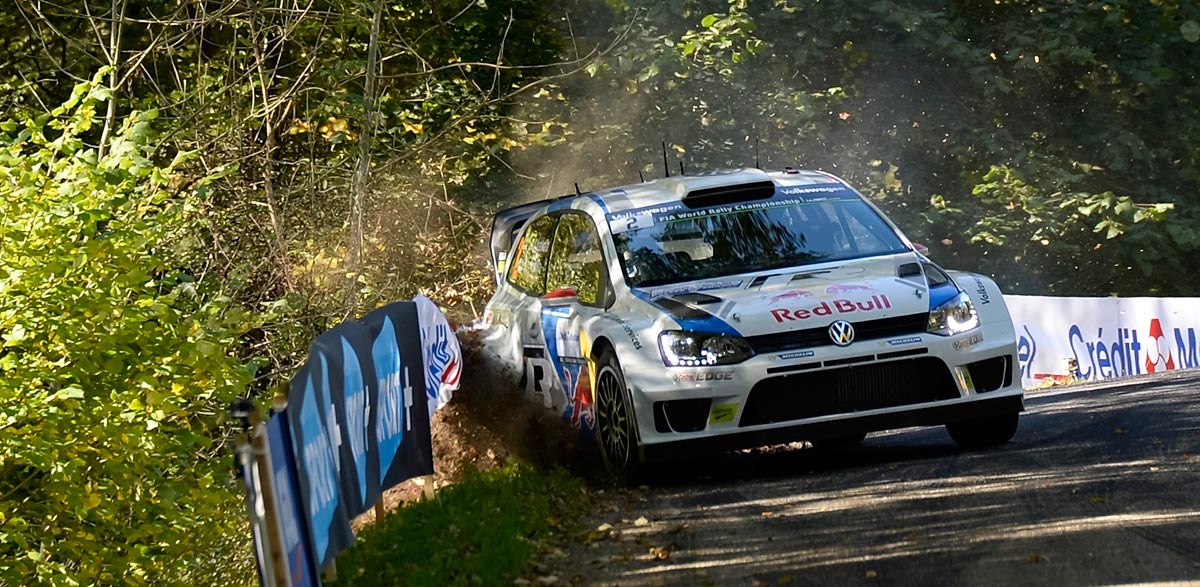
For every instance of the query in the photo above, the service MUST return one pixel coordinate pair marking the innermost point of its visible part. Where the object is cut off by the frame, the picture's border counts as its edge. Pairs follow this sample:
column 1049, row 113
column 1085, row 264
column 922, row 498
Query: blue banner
column 293, row 529
column 359, row 422
column 354, row 399
column 314, row 441
column 401, row 423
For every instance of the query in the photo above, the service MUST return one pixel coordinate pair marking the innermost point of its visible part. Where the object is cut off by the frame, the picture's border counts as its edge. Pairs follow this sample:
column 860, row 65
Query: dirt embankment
column 488, row 423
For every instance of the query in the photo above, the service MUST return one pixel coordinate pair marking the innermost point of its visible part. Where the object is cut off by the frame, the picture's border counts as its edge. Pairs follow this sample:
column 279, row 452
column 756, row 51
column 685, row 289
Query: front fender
column 989, row 303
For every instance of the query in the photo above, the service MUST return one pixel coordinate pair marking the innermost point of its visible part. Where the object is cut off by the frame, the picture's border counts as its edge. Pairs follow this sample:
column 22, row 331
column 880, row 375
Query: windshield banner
column 649, row 216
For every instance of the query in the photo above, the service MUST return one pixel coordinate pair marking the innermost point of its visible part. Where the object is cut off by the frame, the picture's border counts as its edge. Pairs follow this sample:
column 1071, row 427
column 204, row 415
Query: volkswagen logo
column 841, row 332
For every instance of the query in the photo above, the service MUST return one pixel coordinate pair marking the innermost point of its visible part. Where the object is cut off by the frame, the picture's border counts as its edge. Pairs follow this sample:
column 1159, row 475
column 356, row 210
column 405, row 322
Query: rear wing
column 505, row 226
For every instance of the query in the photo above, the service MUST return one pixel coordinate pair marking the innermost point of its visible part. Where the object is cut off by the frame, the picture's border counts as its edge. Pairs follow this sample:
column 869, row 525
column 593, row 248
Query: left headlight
column 681, row 348
column 955, row 316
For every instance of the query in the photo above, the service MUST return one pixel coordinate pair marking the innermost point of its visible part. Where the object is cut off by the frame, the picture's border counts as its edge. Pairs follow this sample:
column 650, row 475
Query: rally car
column 743, row 308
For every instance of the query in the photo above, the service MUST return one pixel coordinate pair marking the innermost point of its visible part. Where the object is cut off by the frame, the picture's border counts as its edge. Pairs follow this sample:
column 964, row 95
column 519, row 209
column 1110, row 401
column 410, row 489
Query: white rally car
column 743, row 308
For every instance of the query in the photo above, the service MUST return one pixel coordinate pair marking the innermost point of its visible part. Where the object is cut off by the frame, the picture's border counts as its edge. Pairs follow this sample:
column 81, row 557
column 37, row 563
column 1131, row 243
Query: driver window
column 529, row 265
column 575, row 259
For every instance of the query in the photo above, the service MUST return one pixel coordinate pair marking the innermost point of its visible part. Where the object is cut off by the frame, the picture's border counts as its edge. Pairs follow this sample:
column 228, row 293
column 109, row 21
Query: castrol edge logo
column 835, row 307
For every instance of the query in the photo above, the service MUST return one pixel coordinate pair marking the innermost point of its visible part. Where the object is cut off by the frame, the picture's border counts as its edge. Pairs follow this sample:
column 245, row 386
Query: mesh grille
column 848, row 390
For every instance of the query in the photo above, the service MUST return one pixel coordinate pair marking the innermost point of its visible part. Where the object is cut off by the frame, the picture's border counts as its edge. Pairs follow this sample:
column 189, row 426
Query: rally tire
column 984, row 432
column 616, row 427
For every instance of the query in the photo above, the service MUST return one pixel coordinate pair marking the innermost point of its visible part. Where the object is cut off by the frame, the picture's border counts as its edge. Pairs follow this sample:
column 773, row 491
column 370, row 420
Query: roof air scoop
column 729, row 194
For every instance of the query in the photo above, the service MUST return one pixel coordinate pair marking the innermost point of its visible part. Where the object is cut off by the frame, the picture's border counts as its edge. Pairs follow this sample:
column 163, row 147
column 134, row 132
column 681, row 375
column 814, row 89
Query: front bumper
column 915, row 380
column 914, row 416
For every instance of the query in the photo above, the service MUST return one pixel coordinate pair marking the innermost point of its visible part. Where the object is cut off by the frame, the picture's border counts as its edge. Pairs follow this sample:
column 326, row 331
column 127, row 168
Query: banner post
column 254, row 458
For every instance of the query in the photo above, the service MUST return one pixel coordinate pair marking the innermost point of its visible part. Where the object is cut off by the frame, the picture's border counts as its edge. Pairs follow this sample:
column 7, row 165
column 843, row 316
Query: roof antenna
column 577, row 192
column 640, row 177
column 666, row 168
column 756, row 163
column 681, row 167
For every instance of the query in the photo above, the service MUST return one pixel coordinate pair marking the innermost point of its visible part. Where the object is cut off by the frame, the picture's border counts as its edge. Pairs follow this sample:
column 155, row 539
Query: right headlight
column 955, row 316
column 682, row 348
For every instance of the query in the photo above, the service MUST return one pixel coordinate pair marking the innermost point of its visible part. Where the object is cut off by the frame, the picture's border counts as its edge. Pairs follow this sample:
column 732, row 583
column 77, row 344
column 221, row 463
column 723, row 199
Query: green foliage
column 116, row 365
column 482, row 531
column 1051, row 145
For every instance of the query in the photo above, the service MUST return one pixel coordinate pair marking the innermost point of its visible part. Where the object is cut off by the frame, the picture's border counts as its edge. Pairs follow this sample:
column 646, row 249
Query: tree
column 117, row 364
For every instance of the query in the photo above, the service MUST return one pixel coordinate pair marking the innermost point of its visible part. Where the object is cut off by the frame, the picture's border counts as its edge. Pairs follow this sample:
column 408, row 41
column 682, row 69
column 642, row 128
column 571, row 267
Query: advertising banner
column 401, row 419
column 1104, row 337
column 442, row 355
column 358, row 423
column 301, row 571
column 353, row 404
column 314, row 433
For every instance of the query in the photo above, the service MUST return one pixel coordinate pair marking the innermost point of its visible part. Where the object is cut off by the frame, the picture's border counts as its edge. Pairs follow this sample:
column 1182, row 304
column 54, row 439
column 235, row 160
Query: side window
column 575, row 260
column 528, row 270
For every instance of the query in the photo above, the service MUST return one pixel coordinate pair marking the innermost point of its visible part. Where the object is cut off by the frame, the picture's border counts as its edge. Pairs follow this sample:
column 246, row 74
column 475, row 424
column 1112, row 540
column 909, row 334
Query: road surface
column 1100, row 486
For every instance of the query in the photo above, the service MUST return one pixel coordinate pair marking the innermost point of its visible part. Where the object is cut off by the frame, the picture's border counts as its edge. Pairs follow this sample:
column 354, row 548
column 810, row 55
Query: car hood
column 799, row 299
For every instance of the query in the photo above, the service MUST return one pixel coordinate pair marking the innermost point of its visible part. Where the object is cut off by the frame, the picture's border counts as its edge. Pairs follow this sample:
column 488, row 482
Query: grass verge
column 482, row 531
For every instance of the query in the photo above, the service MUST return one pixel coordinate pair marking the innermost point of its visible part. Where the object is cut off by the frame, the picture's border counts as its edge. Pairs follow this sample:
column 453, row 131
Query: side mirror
column 920, row 248
column 563, row 296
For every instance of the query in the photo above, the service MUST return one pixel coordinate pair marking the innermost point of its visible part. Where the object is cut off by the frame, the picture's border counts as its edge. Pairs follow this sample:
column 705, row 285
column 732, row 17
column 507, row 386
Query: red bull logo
column 845, row 288
column 1155, row 360
column 879, row 302
column 795, row 294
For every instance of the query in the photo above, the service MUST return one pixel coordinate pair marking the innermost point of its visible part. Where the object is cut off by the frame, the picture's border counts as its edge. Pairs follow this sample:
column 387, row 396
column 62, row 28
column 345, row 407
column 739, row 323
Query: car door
column 577, row 291
column 527, row 280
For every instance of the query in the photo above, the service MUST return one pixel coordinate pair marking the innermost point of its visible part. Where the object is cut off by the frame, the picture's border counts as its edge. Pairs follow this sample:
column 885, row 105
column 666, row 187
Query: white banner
column 443, row 356
column 1106, row 337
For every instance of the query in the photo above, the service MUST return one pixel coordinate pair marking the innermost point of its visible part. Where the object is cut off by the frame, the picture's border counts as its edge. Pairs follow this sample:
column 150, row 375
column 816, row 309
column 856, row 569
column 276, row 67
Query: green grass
column 483, row 531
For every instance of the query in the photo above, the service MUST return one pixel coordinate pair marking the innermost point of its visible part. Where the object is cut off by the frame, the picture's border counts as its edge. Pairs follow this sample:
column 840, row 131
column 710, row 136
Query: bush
column 115, row 368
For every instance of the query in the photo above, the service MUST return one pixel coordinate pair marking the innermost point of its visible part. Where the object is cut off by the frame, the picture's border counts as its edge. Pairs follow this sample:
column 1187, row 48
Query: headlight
column 681, row 348
column 955, row 316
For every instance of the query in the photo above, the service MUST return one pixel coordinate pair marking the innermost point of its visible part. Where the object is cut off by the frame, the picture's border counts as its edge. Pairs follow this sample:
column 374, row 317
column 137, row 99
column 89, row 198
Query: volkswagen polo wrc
column 743, row 308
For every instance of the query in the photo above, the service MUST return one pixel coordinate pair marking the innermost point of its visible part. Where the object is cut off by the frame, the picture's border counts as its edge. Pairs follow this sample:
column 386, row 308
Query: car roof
column 675, row 188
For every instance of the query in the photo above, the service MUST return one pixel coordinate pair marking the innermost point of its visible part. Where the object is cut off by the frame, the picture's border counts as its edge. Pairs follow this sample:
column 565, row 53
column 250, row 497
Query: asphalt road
column 1100, row 486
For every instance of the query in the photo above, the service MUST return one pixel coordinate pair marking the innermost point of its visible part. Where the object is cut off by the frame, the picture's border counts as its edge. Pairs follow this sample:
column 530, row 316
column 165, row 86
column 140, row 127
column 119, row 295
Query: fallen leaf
column 660, row 553
column 1097, row 499
column 1037, row 558
column 604, row 527
column 642, row 521
column 1119, row 431
column 872, row 575
column 768, row 514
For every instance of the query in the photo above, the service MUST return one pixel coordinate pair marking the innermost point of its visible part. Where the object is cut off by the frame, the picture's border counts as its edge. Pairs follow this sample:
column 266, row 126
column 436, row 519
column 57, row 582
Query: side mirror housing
column 563, row 296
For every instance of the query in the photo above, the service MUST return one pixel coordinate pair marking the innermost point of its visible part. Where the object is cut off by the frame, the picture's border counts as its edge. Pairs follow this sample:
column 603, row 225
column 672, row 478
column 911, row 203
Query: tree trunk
column 361, row 174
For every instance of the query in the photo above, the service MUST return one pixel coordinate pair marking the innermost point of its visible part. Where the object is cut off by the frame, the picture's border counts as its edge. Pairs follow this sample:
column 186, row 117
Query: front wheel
column 984, row 432
column 616, row 429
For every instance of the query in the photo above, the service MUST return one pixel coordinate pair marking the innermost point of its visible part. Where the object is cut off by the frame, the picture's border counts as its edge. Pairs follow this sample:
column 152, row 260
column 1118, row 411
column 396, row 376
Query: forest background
column 191, row 190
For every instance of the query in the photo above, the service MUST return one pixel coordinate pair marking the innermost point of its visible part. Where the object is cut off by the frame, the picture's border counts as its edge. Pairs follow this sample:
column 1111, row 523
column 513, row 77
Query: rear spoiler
column 505, row 226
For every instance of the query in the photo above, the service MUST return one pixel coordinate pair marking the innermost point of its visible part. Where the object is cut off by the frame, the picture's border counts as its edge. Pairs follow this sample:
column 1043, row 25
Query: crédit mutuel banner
column 1106, row 337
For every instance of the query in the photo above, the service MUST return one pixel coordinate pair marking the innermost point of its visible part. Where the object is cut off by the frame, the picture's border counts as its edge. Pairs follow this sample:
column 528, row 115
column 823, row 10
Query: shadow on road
column 1100, row 486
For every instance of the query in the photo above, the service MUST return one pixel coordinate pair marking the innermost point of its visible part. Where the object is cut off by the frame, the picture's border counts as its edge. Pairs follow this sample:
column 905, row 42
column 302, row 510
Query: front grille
column 991, row 374
column 814, row 337
column 848, row 390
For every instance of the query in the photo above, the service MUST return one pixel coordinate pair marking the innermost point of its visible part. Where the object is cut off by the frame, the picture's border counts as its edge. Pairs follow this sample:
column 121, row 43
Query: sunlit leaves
column 115, row 367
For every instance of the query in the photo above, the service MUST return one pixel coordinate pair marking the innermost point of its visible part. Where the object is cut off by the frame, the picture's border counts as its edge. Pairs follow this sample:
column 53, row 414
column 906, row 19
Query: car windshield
column 674, row 244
